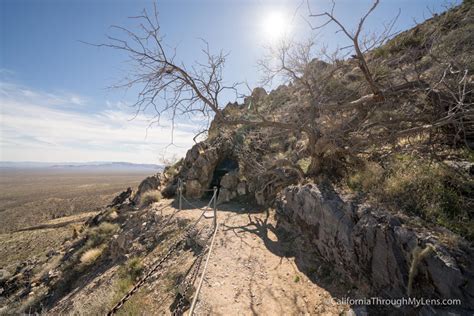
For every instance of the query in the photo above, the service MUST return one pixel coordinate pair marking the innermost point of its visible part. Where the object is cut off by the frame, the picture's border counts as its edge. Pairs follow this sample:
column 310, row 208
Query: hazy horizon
column 65, row 163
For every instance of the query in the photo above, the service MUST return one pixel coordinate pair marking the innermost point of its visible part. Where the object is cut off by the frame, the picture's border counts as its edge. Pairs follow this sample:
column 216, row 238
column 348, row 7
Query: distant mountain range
column 95, row 165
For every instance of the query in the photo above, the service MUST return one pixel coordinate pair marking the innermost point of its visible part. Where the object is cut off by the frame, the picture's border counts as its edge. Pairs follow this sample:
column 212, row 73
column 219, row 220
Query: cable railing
column 212, row 201
column 158, row 263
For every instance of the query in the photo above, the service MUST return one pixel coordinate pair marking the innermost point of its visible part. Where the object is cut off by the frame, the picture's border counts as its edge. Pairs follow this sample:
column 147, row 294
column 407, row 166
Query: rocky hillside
column 373, row 188
column 384, row 192
column 417, row 139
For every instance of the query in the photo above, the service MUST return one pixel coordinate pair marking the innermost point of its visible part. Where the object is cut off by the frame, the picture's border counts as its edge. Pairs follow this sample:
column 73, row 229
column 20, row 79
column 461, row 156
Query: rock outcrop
column 228, row 190
column 374, row 249
column 200, row 163
column 121, row 198
column 150, row 183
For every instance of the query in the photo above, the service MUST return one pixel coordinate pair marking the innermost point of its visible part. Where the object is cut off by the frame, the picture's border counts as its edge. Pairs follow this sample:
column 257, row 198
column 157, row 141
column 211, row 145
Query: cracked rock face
column 374, row 249
column 199, row 165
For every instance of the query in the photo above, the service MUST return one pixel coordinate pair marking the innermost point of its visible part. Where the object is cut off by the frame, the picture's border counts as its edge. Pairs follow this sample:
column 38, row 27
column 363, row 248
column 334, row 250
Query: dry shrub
column 91, row 255
column 150, row 197
column 304, row 164
column 173, row 169
column 420, row 187
column 366, row 179
column 112, row 215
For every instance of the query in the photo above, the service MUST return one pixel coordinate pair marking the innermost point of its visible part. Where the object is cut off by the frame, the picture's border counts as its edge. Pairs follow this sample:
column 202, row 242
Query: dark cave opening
column 225, row 166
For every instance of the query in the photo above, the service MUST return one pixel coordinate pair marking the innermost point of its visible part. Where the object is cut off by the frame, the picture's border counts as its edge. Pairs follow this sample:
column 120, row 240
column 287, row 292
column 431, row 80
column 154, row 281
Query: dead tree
column 354, row 37
column 168, row 86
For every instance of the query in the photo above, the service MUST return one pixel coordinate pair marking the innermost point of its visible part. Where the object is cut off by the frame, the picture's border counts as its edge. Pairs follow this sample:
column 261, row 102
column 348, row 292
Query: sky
column 56, row 100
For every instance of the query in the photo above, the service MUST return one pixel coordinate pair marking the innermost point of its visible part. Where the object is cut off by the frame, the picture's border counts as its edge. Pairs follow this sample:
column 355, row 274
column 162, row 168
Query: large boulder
column 241, row 188
column 194, row 189
column 150, row 183
column 199, row 165
column 373, row 249
column 225, row 195
column 230, row 180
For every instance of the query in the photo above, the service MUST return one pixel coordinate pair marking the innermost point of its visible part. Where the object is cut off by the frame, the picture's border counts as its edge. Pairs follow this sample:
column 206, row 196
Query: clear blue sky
column 55, row 105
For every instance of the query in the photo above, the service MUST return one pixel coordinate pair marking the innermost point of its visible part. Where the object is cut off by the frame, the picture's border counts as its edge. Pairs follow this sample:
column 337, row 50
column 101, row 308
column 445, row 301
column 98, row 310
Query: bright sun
column 275, row 26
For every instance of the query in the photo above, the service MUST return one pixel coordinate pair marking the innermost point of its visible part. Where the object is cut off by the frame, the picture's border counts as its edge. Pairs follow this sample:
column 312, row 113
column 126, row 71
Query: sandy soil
column 250, row 272
column 247, row 274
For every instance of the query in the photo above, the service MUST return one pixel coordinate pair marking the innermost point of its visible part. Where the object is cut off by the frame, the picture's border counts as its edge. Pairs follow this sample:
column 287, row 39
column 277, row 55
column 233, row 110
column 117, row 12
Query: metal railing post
column 180, row 190
column 215, row 208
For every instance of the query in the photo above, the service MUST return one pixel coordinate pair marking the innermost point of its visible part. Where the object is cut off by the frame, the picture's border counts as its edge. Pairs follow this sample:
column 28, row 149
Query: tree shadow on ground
column 239, row 206
column 287, row 244
column 282, row 243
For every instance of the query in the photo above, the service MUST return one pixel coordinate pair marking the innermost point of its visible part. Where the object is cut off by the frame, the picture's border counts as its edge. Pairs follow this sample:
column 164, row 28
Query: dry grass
column 112, row 215
column 150, row 197
column 368, row 178
column 419, row 187
column 91, row 255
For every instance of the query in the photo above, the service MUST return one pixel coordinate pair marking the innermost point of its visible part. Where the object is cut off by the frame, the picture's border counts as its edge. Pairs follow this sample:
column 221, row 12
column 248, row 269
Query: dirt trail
column 248, row 273
column 251, row 272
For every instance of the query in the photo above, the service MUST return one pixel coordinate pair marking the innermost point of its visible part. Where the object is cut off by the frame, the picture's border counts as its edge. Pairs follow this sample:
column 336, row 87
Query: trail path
column 248, row 273
column 251, row 271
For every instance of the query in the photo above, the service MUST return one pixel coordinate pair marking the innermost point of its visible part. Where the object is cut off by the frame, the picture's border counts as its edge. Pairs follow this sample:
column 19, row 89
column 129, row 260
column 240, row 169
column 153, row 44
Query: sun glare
column 275, row 26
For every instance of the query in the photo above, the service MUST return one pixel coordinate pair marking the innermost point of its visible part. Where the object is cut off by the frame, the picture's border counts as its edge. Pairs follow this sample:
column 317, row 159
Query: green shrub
column 98, row 235
column 132, row 269
column 128, row 274
column 150, row 197
column 173, row 169
column 418, row 187
column 382, row 52
column 468, row 154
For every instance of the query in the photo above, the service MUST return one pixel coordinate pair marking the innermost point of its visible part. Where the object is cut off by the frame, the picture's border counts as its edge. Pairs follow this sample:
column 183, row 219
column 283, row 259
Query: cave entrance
column 225, row 166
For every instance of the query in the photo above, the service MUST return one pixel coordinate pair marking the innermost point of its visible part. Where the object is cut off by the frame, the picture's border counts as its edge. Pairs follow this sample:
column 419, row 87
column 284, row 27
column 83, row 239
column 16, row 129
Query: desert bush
column 381, row 52
column 408, row 40
column 132, row 269
column 128, row 274
column 91, row 255
column 468, row 154
column 419, row 187
column 150, row 197
column 98, row 235
column 173, row 279
column 112, row 215
column 136, row 305
column 172, row 170
column 367, row 178
column 304, row 164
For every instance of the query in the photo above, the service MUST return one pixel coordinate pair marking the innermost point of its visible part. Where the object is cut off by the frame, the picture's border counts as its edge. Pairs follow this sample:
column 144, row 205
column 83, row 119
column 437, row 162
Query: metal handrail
column 212, row 201
column 196, row 295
